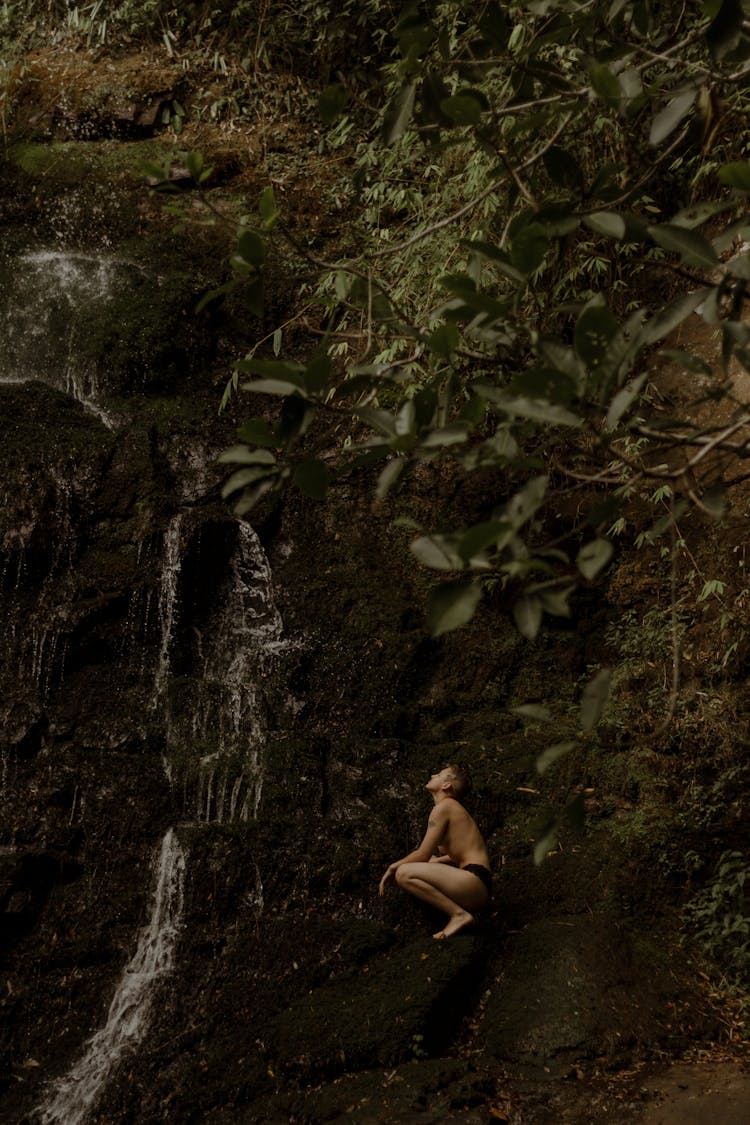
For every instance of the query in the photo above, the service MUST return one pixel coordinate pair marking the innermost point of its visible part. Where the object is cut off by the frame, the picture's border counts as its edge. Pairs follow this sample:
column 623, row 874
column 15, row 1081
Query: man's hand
column 389, row 876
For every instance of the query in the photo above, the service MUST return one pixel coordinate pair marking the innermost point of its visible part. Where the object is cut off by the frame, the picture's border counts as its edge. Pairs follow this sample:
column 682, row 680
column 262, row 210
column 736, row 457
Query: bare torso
column 460, row 838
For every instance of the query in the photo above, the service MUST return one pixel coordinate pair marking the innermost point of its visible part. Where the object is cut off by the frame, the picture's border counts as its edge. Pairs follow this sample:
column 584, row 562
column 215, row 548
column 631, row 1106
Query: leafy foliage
column 472, row 353
column 719, row 917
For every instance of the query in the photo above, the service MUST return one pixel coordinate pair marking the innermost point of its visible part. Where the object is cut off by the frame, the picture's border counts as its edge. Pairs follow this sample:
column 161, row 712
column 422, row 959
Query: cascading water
column 126, row 627
column 223, row 723
column 47, row 319
column 171, row 561
column 127, row 1022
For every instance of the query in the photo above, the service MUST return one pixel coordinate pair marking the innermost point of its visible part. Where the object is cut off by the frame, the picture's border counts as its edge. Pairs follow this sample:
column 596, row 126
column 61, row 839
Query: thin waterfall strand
column 76, row 1093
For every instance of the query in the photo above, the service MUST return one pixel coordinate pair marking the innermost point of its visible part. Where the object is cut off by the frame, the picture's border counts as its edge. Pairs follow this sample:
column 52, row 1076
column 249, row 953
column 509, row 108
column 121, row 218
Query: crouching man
column 450, row 868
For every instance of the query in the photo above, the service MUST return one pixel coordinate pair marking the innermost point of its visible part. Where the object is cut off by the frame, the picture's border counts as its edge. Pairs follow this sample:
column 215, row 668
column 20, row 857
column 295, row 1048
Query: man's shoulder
column 451, row 809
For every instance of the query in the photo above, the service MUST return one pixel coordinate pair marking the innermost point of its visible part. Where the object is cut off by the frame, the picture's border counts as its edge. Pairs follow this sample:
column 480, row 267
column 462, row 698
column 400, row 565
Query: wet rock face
column 272, row 697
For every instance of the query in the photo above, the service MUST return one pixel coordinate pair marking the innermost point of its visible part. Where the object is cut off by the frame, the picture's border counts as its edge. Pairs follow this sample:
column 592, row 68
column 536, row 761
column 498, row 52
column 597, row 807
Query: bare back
column 460, row 838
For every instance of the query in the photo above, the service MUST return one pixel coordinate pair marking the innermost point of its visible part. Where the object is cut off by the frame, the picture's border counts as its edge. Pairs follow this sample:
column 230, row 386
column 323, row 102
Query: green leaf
column 698, row 213
column 251, row 496
column 555, row 601
column 194, row 163
column 725, row 29
column 257, row 432
column 668, row 318
column 272, row 369
column 482, row 536
column 594, row 557
column 562, row 359
column 594, row 698
column 267, row 207
column 250, row 246
column 495, row 255
column 381, row 420
column 214, row 294
column 254, row 297
column 687, row 360
column 667, row 120
column 714, row 501
column 273, row 387
column 621, row 351
column 530, row 243
column 296, row 416
column 527, row 612
column 525, row 503
column 405, row 418
column 692, row 248
column 454, row 434
column 535, row 409
column 398, row 113
column 152, row 170
column 425, row 403
column 739, row 266
column 593, row 331
column 452, row 605
column 318, row 373
column 537, row 712
column 243, row 477
column 736, row 175
column 604, row 82
column 552, row 754
column 462, row 109
column 389, row 476
column 332, row 102
column 432, row 94
column 544, row 846
column 241, row 455
column 311, row 477
column 624, row 399
column 608, row 223
column 444, row 339
column 437, row 552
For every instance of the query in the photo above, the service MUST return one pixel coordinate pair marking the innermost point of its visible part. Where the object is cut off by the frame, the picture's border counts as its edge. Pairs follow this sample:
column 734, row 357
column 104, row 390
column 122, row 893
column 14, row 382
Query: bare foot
column 457, row 923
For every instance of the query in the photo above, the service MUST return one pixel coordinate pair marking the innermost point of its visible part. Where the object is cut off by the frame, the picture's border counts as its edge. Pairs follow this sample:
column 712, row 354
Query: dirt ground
column 699, row 1094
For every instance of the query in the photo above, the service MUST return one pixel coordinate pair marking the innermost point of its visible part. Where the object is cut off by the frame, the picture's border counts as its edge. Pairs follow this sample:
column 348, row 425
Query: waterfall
column 47, row 318
column 168, row 601
column 234, row 650
column 76, row 1093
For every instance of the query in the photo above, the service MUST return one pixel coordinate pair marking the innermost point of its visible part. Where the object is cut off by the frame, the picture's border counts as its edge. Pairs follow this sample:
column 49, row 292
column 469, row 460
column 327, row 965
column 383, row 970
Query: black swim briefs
column 482, row 873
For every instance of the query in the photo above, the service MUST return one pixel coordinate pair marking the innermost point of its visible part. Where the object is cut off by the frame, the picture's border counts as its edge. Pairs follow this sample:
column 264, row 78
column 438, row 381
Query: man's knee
column 403, row 874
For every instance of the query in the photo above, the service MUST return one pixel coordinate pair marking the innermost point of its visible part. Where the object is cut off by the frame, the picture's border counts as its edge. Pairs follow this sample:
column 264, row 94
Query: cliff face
column 215, row 737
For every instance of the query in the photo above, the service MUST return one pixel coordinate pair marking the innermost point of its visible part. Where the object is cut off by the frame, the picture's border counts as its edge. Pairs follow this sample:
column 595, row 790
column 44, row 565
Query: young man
column 450, row 868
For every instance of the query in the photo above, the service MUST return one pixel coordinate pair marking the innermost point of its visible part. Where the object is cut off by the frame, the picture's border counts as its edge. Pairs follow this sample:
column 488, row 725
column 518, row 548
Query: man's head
column 453, row 780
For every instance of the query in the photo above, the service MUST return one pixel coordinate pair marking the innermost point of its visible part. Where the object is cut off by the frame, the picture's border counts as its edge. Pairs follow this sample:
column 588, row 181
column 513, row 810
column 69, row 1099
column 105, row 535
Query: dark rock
column 404, row 1005
column 575, row 989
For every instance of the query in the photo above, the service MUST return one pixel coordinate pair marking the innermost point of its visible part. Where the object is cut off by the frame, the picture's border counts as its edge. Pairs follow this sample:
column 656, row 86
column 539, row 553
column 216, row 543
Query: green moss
column 73, row 162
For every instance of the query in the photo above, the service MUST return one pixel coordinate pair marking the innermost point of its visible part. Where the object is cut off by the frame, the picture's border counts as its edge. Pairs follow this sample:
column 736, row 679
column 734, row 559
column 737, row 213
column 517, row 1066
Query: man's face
column 439, row 779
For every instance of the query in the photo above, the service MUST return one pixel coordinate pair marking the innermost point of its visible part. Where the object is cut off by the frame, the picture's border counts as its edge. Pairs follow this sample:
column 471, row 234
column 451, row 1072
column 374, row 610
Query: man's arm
column 436, row 827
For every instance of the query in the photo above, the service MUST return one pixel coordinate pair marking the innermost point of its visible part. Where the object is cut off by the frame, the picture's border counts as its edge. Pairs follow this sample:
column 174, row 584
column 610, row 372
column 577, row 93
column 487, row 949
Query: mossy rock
column 404, row 1005
column 578, row 988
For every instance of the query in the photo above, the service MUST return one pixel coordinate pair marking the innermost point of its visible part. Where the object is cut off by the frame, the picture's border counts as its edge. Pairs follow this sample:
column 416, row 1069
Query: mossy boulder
column 576, row 988
column 401, row 1006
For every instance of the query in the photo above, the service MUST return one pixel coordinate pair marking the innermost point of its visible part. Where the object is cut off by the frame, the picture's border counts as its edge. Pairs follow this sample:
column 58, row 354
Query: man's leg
column 457, row 893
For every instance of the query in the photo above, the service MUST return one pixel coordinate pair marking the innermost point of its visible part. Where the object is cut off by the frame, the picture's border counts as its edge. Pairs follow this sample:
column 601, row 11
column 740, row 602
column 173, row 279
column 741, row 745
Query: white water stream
column 45, row 319
column 71, row 1099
